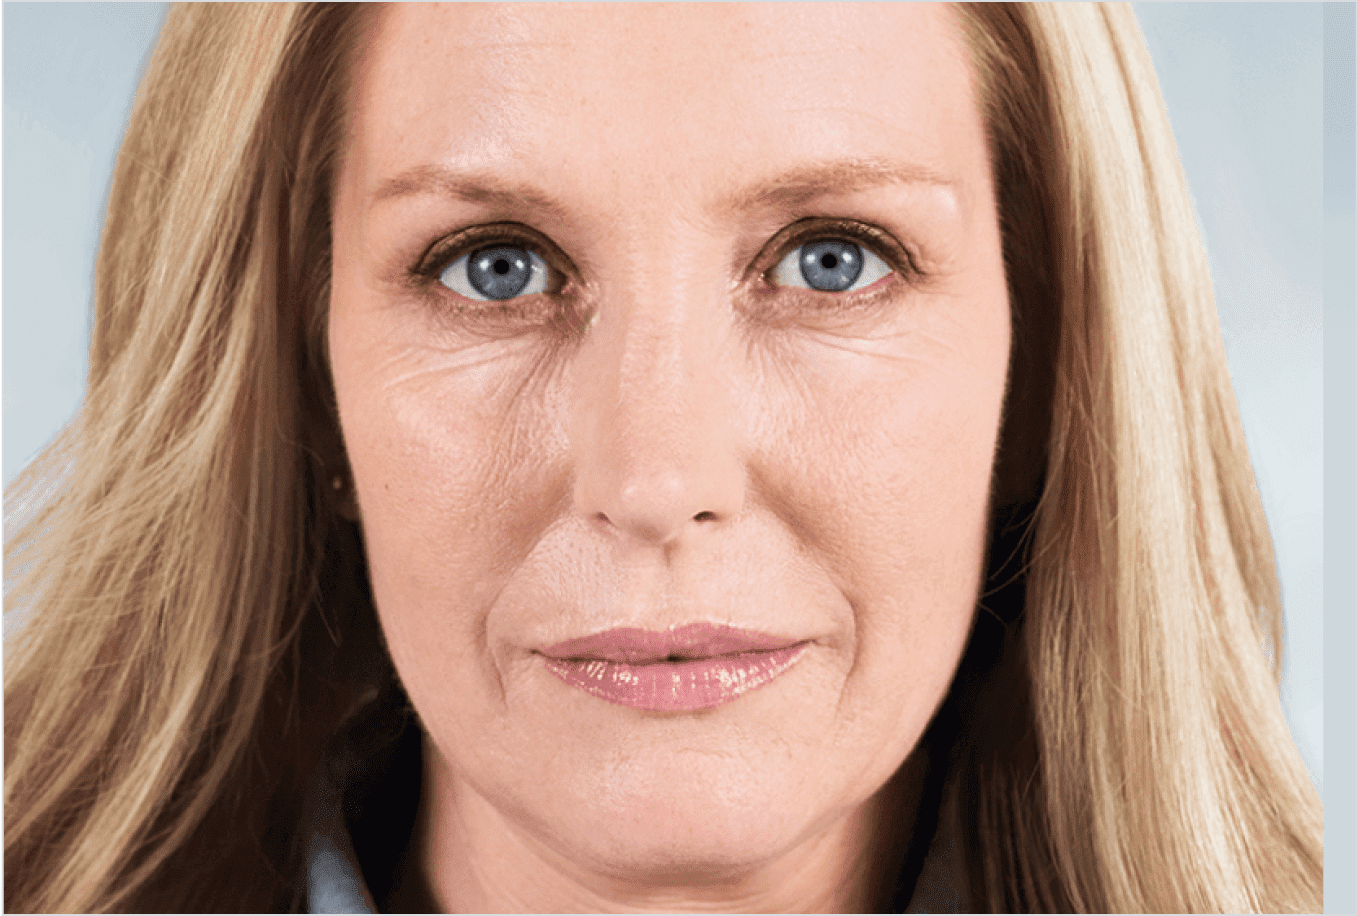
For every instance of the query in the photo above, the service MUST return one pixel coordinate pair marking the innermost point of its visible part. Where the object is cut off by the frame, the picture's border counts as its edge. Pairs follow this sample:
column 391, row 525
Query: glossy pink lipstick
column 680, row 670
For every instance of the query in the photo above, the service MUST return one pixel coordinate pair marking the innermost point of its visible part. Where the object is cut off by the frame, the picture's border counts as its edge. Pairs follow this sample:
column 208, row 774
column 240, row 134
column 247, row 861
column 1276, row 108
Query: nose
column 653, row 436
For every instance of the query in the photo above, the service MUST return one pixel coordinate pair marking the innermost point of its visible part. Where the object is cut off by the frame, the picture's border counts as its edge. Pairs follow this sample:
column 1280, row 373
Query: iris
column 500, row 272
column 831, row 265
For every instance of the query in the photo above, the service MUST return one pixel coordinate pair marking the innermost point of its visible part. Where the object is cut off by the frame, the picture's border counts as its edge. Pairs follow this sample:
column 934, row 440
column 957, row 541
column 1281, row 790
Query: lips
column 688, row 668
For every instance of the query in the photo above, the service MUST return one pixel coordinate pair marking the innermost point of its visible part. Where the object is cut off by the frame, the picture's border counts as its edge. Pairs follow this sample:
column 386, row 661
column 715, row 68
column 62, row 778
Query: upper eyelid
column 791, row 237
column 444, row 251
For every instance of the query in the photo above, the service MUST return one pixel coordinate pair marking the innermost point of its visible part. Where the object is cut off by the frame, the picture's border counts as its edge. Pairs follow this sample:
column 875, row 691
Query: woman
column 617, row 469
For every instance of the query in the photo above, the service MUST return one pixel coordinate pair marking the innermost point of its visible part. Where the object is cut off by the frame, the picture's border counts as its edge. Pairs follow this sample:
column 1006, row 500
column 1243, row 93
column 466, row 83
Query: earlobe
column 343, row 498
column 329, row 462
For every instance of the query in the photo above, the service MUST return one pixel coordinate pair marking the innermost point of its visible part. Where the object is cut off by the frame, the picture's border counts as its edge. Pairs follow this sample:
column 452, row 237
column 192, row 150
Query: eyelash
column 442, row 253
column 880, row 242
column 428, row 269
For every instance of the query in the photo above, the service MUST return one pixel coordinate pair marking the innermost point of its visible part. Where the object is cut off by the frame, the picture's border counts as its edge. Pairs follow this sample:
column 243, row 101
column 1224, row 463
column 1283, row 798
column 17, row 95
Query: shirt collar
column 334, row 880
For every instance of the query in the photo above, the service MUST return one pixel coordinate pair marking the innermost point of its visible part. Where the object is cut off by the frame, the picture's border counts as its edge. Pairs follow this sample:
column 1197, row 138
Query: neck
column 466, row 856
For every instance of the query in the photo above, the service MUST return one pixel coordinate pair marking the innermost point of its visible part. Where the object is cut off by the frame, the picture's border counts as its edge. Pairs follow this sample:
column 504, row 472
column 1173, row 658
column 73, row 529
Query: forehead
column 684, row 96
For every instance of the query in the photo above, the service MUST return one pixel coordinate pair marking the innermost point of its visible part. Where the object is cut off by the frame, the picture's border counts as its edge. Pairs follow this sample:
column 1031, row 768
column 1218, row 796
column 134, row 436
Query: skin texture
column 666, row 436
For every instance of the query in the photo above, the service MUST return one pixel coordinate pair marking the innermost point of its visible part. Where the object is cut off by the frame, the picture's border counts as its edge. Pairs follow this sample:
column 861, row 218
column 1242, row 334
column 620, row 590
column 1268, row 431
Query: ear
column 343, row 498
column 329, row 461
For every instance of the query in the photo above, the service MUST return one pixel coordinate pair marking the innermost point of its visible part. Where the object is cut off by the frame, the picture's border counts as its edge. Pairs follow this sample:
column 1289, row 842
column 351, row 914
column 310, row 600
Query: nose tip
column 657, row 506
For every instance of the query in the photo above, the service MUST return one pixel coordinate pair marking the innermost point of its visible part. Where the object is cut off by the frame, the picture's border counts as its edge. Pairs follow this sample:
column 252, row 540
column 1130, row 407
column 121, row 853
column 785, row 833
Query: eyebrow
column 471, row 187
column 804, row 184
column 788, row 190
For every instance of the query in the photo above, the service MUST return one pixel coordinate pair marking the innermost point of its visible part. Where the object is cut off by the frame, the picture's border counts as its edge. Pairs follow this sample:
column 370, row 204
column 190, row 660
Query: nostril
column 705, row 517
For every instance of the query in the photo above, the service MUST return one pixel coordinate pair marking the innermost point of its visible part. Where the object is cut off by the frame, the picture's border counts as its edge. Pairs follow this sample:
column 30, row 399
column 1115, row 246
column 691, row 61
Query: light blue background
column 1244, row 89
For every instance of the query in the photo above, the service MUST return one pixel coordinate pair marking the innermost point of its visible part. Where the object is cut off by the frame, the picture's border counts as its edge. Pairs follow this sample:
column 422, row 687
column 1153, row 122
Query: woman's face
column 751, row 378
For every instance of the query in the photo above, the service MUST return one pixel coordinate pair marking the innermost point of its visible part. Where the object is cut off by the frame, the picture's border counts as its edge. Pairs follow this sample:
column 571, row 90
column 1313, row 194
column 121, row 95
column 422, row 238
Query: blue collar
column 334, row 882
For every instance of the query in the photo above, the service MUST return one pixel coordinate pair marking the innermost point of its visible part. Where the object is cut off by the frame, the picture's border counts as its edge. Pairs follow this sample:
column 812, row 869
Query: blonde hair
column 188, row 583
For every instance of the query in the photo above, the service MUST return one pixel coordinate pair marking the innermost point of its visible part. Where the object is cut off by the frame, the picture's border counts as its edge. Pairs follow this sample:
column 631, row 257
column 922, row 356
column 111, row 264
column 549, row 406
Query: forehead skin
column 662, row 99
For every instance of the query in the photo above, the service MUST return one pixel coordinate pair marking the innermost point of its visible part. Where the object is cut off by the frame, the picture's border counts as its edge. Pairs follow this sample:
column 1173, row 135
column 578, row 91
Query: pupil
column 501, row 266
column 829, row 262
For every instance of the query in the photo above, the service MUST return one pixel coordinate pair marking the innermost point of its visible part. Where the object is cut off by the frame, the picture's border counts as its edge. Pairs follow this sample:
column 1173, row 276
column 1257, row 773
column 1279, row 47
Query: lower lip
column 699, row 683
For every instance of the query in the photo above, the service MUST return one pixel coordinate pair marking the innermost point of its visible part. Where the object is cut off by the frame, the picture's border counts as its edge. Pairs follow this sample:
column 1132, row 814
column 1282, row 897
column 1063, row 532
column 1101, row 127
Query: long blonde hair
column 1118, row 742
column 1166, row 778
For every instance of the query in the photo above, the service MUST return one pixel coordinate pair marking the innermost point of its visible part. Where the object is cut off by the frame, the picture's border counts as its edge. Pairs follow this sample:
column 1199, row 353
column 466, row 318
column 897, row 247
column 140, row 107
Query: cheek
column 889, row 487
column 446, row 455
column 887, row 455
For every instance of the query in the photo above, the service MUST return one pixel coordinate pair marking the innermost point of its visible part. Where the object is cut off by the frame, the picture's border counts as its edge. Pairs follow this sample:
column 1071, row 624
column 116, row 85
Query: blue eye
column 831, row 266
column 496, row 273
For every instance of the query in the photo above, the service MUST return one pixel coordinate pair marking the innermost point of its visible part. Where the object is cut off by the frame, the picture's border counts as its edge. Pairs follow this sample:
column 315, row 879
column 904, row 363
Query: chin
column 686, row 823
column 685, row 853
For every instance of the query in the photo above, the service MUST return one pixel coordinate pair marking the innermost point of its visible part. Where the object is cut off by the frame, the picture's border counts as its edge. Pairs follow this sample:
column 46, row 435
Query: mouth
column 699, row 666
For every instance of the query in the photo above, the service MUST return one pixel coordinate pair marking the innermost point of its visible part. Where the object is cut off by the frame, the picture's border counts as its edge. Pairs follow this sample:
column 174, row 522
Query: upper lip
column 695, row 640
